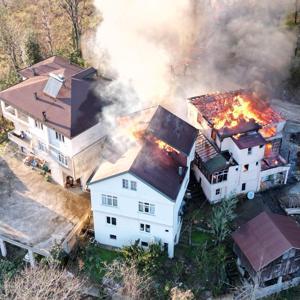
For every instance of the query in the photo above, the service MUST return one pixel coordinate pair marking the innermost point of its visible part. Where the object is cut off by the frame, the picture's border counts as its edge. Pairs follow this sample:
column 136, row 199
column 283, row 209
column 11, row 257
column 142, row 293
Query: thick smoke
column 164, row 51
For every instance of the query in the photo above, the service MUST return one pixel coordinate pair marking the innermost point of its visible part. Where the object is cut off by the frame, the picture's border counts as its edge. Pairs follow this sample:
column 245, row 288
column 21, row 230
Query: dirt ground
column 33, row 211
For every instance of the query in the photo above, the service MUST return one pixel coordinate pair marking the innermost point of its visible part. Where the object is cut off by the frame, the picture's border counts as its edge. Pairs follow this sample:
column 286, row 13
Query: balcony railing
column 20, row 139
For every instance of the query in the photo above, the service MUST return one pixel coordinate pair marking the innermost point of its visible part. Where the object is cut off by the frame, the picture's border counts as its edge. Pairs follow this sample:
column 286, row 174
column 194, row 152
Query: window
column 38, row 125
column 112, row 237
column 133, row 185
column 111, row 220
column 218, row 191
column 147, row 208
column 42, row 146
column 243, row 186
column 260, row 146
column 166, row 230
column 125, row 183
column 144, row 244
column 145, row 227
column 249, row 151
column 245, row 168
column 109, row 200
column 63, row 159
column 59, row 137
column 257, row 163
column 220, row 176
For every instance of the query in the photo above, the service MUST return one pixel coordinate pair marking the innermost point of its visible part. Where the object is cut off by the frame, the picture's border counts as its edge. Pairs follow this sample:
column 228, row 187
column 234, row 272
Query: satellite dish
column 250, row 195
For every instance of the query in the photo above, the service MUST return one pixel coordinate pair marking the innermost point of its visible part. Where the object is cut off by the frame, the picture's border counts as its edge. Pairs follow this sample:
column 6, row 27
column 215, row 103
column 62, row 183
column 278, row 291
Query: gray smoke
column 165, row 51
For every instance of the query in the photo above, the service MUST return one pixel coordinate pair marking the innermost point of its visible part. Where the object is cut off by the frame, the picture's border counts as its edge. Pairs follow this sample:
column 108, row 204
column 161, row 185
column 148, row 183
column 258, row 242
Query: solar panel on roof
column 53, row 85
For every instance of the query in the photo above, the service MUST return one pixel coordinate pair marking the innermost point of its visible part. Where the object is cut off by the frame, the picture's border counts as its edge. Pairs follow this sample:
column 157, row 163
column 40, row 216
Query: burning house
column 137, row 192
column 238, row 150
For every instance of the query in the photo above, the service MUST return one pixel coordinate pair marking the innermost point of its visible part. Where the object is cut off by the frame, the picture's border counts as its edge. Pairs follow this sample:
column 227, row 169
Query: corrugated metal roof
column 267, row 237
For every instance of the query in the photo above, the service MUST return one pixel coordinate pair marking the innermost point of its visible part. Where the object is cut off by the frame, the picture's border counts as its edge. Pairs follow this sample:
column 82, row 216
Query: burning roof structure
column 157, row 153
column 237, row 112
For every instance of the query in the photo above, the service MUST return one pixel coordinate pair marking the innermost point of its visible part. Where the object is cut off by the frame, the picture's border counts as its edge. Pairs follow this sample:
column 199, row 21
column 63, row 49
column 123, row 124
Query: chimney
column 33, row 71
column 44, row 116
column 180, row 171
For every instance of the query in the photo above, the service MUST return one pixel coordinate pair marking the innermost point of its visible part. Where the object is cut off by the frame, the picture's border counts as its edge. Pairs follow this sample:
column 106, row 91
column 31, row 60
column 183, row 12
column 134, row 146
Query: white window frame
column 125, row 184
column 145, row 227
column 109, row 200
column 38, row 125
column 42, row 146
column 59, row 137
column 146, row 208
column 133, row 185
column 62, row 159
column 109, row 220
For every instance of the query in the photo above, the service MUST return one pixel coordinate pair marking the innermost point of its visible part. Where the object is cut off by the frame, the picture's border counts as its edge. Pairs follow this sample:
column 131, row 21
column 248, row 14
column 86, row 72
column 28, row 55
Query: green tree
column 11, row 79
column 221, row 218
column 32, row 50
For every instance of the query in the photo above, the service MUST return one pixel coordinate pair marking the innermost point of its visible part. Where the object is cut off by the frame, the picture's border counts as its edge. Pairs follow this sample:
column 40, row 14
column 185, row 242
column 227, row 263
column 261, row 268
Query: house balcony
column 20, row 139
column 273, row 162
column 14, row 115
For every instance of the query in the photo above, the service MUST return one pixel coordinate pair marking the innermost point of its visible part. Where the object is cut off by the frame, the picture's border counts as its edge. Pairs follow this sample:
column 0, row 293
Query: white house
column 137, row 192
column 55, row 115
column 238, row 149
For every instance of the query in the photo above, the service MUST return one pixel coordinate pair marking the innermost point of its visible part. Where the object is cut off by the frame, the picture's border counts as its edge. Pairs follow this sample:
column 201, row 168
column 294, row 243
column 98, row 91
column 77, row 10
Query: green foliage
column 11, row 79
column 7, row 270
column 76, row 58
column 32, row 50
column 211, row 268
column 94, row 258
column 222, row 215
column 147, row 260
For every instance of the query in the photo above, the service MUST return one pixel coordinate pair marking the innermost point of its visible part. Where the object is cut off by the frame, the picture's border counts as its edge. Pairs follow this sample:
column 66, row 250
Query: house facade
column 140, row 194
column 268, row 251
column 236, row 156
column 54, row 112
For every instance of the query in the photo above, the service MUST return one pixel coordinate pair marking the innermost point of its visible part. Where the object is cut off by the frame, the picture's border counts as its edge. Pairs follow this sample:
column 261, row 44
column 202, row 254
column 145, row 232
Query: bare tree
column 296, row 11
column 124, row 279
column 42, row 283
column 47, row 28
column 8, row 43
column 75, row 10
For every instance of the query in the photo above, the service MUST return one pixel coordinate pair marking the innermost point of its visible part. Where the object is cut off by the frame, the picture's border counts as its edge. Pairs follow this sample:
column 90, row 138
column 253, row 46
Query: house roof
column 249, row 140
column 267, row 237
column 173, row 130
column 242, row 127
column 147, row 161
column 74, row 109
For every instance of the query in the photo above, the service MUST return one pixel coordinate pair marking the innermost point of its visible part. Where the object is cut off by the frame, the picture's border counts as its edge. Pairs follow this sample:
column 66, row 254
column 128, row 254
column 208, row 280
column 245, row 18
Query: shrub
column 146, row 260
column 125, row 279
column 42, row 283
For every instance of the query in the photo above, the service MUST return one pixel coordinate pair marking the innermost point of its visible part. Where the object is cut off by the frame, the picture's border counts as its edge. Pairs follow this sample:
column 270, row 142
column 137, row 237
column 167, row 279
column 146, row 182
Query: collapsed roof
column 235, row 112
column 267, row 237
column 69, row 106
column 146, row 160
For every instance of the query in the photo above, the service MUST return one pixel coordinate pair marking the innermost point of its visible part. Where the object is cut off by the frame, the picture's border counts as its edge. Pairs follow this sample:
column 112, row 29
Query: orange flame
column 164, row 146
column 236, row 110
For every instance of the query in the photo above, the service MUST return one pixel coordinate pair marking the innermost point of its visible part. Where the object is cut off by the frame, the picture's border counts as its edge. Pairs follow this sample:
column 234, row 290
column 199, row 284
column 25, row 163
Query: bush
column 42, row 283
column 125, row 279
column 7, row 270
column 146, row 260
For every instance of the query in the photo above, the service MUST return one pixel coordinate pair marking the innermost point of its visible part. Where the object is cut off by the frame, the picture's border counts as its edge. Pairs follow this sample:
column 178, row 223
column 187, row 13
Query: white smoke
column 164, row 51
